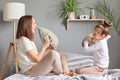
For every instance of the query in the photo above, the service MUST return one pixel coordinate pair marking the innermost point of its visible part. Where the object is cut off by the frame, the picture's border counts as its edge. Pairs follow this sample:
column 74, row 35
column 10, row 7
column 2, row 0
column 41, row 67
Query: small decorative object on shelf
column 84, row 17
column 92, row 13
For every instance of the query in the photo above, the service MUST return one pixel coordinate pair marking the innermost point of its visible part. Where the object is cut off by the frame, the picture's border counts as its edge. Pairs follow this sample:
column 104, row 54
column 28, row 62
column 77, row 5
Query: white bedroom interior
column 46, row 15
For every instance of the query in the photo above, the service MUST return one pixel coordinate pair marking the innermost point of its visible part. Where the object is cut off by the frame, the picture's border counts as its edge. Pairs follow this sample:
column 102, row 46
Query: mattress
column 74, row 60
column 113, row 74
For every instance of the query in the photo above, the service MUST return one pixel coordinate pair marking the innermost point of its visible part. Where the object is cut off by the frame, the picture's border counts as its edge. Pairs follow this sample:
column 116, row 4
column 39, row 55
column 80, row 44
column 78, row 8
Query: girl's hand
column 88, row 38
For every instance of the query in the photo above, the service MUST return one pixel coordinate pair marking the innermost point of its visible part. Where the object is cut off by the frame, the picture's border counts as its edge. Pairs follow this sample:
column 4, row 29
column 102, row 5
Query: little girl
column 99, row 50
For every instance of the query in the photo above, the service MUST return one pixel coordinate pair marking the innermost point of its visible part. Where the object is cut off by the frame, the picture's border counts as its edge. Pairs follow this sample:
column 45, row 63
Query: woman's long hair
column 25, row 27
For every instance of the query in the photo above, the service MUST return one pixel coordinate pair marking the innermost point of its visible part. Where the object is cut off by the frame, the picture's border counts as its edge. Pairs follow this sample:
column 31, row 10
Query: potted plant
column 108, row 13
column 70, row 9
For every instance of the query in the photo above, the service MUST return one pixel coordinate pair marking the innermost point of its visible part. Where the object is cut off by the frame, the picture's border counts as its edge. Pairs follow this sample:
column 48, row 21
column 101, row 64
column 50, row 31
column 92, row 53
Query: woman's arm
column 37, row 57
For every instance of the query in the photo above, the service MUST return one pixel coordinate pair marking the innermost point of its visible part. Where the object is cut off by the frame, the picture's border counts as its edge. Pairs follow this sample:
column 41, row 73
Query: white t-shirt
column 23, row 45
column 99, row 51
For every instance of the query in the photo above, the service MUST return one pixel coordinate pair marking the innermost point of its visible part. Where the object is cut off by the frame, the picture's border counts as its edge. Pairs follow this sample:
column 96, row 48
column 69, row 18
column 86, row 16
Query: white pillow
column 90, row 42
column 43, row 33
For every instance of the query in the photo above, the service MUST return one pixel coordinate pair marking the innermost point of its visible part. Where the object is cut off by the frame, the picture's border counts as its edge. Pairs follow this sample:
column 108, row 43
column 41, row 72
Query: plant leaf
column 103, row 7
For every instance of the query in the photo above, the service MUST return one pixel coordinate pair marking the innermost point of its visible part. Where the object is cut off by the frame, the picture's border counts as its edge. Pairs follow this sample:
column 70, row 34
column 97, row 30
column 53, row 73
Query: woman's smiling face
column 33, row 25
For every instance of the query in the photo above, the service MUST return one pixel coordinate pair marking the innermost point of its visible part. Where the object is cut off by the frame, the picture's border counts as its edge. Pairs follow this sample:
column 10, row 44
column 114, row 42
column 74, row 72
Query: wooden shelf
column 83, row 20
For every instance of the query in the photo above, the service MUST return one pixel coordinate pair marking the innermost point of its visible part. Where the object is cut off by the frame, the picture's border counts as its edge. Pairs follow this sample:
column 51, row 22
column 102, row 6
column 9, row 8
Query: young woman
column 99, row 50
column 31, row 61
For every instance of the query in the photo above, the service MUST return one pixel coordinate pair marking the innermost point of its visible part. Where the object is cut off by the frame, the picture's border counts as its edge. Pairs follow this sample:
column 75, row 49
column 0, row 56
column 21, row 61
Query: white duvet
column 74, row 60
column 113, row 74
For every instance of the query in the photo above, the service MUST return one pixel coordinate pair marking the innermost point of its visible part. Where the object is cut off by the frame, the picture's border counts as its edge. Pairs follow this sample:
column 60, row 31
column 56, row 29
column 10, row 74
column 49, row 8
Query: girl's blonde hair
column 25, row 27
column 103, row 28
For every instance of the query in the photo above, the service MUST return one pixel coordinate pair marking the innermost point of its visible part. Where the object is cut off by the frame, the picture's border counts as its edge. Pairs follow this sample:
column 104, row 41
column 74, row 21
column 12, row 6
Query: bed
column 74, row 61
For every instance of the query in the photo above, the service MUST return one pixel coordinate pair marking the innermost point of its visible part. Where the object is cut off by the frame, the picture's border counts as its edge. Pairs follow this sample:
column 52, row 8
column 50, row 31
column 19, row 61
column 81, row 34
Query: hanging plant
column 108, row 13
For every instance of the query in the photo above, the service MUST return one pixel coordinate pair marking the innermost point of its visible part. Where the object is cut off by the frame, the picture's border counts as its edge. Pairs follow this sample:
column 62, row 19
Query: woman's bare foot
column 77, row 70
column 66, row 72
column 70, row 72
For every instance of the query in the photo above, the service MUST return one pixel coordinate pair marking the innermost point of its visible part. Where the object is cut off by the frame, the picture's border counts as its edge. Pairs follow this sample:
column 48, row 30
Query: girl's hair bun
column 107, row 24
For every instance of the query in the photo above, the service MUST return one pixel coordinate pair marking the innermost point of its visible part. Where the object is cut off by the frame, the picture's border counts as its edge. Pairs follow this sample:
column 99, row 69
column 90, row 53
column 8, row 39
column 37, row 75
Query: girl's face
column 97, row 34
column 33, row 25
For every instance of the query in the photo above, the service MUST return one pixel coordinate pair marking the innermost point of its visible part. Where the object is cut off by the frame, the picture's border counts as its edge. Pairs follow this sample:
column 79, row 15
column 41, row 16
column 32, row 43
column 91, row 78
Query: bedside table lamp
column 12, row 12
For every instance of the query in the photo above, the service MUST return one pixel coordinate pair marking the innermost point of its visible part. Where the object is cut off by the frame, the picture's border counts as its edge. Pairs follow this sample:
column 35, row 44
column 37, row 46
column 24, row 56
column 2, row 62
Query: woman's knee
column 54, row 54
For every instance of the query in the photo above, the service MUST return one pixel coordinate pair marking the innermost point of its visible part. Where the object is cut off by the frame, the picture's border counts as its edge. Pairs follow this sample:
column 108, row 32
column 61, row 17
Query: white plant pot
column 71, row 15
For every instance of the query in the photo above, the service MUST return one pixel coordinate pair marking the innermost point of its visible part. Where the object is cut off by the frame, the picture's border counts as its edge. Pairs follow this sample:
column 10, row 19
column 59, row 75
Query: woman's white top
column 99, row 51
column 24, row 45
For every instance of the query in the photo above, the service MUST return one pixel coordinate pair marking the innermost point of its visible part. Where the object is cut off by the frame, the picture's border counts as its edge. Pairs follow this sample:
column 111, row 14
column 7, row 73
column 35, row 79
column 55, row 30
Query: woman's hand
column 36, row 58
column 46, row 42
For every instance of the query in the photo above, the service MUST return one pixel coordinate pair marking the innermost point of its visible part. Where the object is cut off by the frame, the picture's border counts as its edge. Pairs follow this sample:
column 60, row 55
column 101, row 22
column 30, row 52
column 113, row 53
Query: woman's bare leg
column 64, row 63
column 50, row 61
column 65, row 67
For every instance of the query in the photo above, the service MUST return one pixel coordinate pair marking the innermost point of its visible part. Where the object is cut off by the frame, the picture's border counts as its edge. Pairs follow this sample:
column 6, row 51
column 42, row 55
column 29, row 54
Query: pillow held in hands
column 43, row 33
column 90, row 40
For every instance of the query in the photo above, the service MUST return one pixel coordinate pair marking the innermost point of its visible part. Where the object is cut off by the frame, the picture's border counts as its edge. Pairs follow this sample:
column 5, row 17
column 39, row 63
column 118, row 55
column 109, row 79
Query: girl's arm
column 37, row 57
column 93, row 47
column 107, row 37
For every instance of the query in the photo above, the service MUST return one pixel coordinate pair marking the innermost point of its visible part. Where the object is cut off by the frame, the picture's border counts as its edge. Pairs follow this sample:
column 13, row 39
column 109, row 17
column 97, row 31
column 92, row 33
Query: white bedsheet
column 113, row 74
